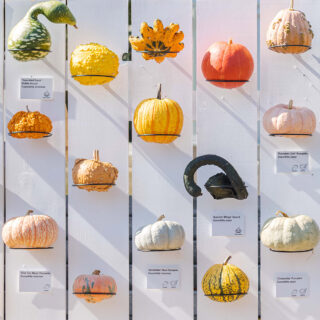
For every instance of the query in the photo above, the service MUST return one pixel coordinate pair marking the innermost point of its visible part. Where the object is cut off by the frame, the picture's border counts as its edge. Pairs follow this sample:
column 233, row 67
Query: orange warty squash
column 94, row 287
column 158, row 120
column 30, row 231
column 227, row 65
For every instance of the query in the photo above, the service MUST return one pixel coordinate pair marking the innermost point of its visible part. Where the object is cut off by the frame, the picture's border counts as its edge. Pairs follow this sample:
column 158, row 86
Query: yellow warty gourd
column 93, row 64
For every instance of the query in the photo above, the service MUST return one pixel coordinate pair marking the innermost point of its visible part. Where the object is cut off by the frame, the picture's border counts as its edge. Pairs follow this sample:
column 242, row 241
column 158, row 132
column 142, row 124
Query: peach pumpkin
column 289, row 121
column 94, row 287
column 30, row 231
column 227, row 65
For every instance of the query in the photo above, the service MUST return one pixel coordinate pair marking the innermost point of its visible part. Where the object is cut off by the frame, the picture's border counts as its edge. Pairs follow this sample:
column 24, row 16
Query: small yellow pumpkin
column 290, row 32
column 158, row 120
column 32, row 125
column 225, row 282
column 158, row 43
column 93, row 64
column 94, row 175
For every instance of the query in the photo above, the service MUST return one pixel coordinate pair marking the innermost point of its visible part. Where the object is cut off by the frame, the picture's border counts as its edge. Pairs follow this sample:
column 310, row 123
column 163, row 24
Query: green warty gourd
column 29, row 39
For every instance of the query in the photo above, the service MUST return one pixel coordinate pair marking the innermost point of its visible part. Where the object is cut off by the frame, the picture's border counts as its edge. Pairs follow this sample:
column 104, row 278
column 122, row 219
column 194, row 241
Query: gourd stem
column 29, row 212
column 291, row 4
column 278, row 213
column 230, row 41
column 227, row 260
column 27, row 107
column 161, row 217
column 159, row 92
column 290, row 104
column 96, row 272
column 96, row 155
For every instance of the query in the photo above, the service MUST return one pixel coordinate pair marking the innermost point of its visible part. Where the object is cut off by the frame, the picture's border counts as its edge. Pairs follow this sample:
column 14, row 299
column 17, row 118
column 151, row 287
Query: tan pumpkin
column 94, row 287
column 289, row 121
column 289, row 32
column 94, row 175
column 32, row 125
column 30, row 231
column 158, row 120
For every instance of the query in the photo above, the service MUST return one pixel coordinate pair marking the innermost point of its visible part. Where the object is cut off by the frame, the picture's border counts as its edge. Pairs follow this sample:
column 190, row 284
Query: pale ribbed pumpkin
column 289, row 32
column 93, row 64
column 30, row 231
column 225, row 282
column 94, row 287
column 160, row 236
column 158, row 120
column 97, row 175
column 289, row 121
column 287, row 234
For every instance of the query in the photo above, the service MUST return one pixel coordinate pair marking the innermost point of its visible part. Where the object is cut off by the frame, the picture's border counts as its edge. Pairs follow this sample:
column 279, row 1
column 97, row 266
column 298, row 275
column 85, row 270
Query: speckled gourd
column 290, row 233
column 29, row 39
column 160, row 236
column 30, row 231
column 94, row 173
column 225, row 282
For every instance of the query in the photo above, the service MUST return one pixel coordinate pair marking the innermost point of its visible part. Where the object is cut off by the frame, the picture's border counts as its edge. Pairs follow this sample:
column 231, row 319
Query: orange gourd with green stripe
column 158, row 120
column 225, row 282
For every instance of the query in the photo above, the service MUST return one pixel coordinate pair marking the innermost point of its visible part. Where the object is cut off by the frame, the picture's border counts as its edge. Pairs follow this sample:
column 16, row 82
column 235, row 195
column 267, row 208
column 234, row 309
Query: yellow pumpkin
column 290, row 32
column 225, row 282
column 158, row 43
column 94, row 175
column 32, row 125
column 158, row 120
column 93, row 64
column 30, row 231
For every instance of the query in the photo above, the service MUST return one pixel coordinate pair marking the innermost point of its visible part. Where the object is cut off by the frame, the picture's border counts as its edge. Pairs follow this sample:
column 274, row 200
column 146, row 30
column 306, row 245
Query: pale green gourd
column 29, row 39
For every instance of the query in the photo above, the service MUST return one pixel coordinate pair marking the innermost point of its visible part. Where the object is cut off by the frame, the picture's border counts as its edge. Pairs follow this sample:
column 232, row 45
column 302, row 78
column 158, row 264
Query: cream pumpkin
column 160, row 236
column 30, row 231
column 289, row 32
column 289, row 121
column 294, row 233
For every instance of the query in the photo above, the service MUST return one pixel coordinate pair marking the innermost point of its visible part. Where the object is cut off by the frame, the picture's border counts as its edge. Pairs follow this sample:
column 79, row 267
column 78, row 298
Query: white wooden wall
column 94, row 227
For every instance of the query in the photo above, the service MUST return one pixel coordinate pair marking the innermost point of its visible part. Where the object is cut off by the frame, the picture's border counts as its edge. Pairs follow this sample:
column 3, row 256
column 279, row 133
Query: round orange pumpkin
column 289, row 121
column 30, row 231
column 227, row 65
column 94, row 287
column 158, row 120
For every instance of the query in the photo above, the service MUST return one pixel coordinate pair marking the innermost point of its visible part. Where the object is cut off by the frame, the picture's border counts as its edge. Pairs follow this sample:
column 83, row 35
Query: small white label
column 228, row 225
column 292, row 285
column 34, row 281
column 292, row 161
column 36, row 88
column 163, row 277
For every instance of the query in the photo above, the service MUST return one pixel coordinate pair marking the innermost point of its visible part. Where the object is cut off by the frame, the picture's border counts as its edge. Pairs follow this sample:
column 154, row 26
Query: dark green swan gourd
column 29, row 39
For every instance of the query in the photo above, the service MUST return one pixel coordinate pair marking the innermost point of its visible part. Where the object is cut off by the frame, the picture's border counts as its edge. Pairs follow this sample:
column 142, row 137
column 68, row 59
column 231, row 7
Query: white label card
column 292, row 285
column 163, row 277
column 36, row 88
column 34, row 281
column 292, row 161
column 228, row 225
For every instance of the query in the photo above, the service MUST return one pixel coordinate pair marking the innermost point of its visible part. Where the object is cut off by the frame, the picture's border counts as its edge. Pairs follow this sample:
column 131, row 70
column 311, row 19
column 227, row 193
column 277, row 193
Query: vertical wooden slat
column 158, row 169
column 227, row 126
column 285, row 77
column 98, row 119
column 35, row 174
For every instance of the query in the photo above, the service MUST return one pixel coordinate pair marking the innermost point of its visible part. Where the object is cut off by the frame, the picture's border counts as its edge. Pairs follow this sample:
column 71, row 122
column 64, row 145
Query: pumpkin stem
column 96, row 272
column 290, row 104
column 161, row 217
column 27, row 107
column 29, row 212
column 96, row 155
column 291, row 4
column 159, row 92
column 278, row 213
column 230, row 41
column 227, row 260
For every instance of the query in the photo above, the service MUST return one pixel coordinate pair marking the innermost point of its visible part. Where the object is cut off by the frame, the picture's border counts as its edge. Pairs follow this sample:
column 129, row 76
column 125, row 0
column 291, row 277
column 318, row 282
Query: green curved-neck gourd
column 29, row 39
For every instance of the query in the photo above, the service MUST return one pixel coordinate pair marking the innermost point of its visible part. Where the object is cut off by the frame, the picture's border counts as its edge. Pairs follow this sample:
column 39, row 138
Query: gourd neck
column 159, row 92
column 281, row 213
column 96, row 272
column 96, row 155
column 290, row 104
column 291, row 5
column 29, row 212
column 35, row 11
column 227, row 260
column 161, row 217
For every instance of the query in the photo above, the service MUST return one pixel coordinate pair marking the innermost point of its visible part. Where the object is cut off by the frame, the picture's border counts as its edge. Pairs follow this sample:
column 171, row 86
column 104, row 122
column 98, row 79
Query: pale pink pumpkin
column 289, row 121
column 30, row 231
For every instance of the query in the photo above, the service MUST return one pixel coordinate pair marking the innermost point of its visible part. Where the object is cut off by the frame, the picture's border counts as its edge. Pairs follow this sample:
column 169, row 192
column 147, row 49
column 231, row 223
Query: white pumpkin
column 161, row 235
column 294, row 233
